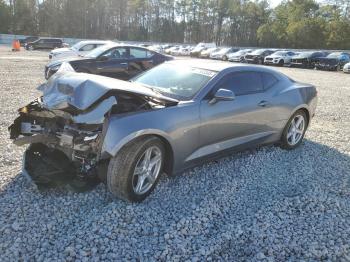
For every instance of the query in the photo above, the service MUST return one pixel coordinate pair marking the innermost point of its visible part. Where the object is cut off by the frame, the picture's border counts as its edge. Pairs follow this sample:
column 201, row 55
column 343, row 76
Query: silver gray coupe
column 165, row 120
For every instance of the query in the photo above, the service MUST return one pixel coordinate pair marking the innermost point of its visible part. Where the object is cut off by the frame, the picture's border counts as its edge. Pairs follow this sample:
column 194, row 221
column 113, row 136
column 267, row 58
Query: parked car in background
column 239, row 55
column 258, row 56
column 206, row 53
column 79, row 49
column 28, row 39
column 279, row 58
column 156, row 48
column 182, row 51
column 333, row 61
column 346, row 68
column 45, row 43
column 223, row 53
column 307, row 59
column 114, row 60
column 172, row 117
column 201, row 47
column 171, row 49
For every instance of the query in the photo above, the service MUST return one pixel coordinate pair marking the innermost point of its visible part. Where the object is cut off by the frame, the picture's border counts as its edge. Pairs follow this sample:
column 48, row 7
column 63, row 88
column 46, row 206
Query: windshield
column 334, row 55
column 181, row 83
column 241, row 52
column 258, row 52
column 305, row 54
column 281, row 53
column 98, row 51
column 77, row 46
column 224, row 50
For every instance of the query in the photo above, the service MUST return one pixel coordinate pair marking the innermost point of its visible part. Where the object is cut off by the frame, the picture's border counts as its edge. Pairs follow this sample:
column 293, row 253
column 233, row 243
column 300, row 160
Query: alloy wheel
column 147, row 170
column 296, row 130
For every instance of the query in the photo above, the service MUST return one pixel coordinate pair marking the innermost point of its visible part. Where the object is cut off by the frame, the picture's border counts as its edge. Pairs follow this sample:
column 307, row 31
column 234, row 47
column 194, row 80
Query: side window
column 87, row 47
column 117, row 53
column 243, row 83
column 268, row 80
column 140, row 53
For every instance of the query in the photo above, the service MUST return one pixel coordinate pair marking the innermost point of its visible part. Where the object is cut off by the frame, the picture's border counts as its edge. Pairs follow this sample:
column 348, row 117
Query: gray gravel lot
column 261, row 205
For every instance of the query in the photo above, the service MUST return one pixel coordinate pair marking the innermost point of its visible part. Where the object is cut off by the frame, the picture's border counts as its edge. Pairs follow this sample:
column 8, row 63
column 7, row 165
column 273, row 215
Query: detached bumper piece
column 49, row 168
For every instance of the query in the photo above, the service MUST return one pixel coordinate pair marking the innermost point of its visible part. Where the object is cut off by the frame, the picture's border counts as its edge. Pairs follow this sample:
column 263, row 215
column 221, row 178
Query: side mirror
column 103, row 58
column 222, row 95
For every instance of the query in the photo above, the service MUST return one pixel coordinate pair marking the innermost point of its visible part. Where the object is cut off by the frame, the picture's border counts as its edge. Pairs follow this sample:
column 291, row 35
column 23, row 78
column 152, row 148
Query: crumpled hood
column 82, row 90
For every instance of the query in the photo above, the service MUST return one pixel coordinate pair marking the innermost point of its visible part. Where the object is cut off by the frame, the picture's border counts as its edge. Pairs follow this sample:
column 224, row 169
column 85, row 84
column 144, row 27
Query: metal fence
column 6, row 39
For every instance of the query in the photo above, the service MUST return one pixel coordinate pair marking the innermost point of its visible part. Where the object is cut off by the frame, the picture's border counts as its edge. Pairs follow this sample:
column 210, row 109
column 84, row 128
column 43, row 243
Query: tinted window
column 117, row 53
column 268, row 80
column 243, row 83
column 140, row 53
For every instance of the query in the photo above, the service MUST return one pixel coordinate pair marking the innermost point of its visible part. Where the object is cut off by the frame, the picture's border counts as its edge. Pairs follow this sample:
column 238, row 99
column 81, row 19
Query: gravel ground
column 261, row 205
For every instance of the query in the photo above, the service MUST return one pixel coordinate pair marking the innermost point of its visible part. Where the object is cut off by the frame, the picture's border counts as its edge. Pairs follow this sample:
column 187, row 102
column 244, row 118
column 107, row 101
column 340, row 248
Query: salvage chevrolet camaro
column 165, row 120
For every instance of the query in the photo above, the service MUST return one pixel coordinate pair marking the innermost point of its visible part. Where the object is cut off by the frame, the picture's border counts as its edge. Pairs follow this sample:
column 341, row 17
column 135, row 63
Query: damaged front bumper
column 60, row 151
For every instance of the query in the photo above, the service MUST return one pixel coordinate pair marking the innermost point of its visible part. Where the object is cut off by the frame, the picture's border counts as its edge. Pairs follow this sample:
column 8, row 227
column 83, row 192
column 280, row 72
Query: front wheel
column 294, row 131
column 134, row 172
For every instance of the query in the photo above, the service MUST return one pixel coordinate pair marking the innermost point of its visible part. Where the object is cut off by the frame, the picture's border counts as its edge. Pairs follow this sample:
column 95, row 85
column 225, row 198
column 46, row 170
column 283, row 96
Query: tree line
column 292, row 24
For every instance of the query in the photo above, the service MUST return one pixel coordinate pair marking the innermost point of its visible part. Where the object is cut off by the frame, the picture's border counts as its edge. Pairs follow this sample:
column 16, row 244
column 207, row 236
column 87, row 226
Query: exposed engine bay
column 65, row 127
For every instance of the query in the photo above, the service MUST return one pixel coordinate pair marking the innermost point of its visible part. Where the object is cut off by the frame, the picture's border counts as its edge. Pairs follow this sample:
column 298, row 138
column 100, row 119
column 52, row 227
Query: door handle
column 263, row 103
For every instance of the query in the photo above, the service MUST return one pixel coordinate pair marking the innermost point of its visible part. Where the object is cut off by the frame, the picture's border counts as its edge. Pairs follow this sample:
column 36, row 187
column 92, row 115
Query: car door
column 113, row 63
column 41, row 44
column 245, row 119
column 140, row 59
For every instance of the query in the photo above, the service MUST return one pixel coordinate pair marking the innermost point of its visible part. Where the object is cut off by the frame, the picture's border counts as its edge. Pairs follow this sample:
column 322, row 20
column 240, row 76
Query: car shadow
column 226, row 203
column 310, row 159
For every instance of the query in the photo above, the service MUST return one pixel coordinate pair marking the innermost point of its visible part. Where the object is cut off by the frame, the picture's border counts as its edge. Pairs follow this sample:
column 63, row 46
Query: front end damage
column 60, row 150
column 65, row 127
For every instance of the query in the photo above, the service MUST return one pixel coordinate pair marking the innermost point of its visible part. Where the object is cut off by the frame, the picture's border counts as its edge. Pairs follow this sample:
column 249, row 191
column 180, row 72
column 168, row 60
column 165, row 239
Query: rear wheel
column 134, row 172
column 294, row 131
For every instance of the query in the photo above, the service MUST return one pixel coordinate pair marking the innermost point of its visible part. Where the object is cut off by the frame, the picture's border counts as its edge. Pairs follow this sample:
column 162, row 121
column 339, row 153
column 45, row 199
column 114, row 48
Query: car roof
column 216, row 66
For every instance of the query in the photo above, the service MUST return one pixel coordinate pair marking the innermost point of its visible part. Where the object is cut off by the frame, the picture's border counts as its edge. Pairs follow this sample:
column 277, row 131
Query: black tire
column 285, row 144
column 281, row 62
column 121, row 168
column 224, row 58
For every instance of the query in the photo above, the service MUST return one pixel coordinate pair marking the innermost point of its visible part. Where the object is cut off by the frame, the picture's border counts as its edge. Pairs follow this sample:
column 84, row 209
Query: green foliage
column 5, row 17
column 293, row 23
